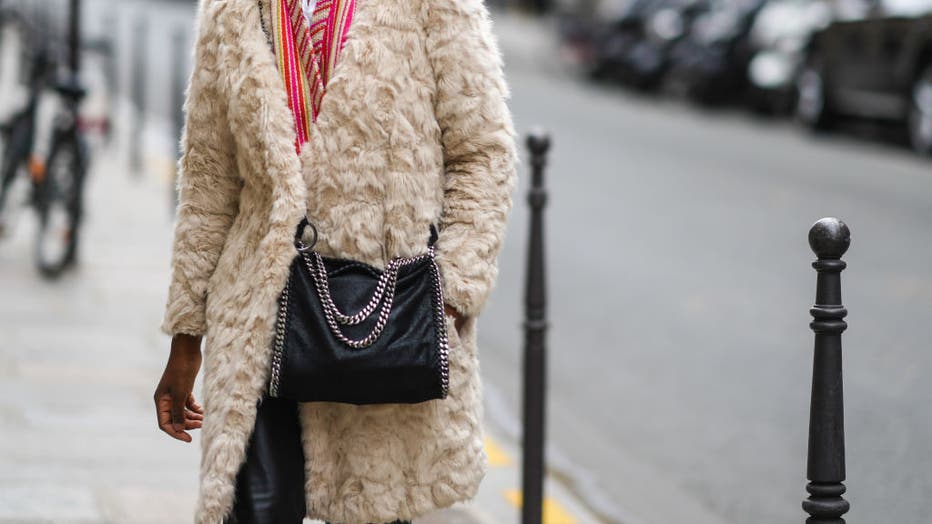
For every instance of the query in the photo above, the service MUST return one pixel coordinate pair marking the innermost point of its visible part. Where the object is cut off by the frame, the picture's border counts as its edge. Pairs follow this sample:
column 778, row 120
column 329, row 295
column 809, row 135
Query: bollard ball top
column 829, row 238
column 538, row 141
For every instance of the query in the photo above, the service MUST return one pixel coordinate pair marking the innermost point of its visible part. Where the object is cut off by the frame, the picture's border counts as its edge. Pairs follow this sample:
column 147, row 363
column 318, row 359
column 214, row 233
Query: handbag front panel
column 401, row 366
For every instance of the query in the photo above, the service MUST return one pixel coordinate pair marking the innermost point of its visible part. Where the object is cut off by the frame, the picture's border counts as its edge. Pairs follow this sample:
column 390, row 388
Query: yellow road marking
column 497, row 456
column 554, row 513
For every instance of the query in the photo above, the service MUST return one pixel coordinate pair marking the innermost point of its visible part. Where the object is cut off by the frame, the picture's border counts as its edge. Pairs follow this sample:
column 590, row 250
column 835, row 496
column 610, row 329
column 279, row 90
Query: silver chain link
column 279, row 348
column 390, row 274
column 384, row 295
column 441, row 322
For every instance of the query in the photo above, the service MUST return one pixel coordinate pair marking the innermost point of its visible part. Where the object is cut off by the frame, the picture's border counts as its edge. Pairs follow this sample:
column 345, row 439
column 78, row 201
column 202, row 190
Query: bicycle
column 17, row 135
column 57, row 183
column 60, row 190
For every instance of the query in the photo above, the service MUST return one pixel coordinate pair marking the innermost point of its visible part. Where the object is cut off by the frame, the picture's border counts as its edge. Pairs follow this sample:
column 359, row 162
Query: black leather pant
column 270, row 484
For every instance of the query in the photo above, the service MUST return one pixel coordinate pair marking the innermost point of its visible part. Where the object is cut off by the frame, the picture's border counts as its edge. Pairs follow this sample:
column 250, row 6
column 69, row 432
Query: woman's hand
column 175, row 407
column 458, row 320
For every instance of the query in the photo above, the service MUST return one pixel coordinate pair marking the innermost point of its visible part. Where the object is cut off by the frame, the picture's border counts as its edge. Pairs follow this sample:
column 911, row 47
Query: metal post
column 74, row 36
column 829, row 238
column 535, row 328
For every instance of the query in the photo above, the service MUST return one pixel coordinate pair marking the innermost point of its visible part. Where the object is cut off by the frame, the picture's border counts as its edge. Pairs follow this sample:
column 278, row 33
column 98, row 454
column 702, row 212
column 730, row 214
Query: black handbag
column 349, row 332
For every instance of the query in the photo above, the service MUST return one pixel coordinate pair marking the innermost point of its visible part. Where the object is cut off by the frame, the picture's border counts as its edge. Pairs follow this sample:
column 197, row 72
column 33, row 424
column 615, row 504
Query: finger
column 164, row 416
column 177, row 413
column 192, row 404
column 169, row 429
column 178, row 435
column 163, row 412
column 192, row 424
column 163, row 407
column 188, row 414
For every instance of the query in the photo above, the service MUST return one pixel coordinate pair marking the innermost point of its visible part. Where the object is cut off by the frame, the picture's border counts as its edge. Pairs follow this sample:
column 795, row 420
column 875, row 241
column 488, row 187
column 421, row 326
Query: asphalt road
column 680, row 282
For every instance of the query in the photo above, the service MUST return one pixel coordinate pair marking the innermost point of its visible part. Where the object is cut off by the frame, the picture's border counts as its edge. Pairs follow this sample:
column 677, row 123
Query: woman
column 412, row 129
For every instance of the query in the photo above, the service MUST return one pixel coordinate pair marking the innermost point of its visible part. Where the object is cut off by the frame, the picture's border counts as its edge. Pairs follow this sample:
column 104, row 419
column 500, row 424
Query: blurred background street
column 679, row 272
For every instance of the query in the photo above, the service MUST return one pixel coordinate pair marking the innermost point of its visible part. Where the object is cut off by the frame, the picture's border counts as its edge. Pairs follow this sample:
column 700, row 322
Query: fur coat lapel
column 413, row 130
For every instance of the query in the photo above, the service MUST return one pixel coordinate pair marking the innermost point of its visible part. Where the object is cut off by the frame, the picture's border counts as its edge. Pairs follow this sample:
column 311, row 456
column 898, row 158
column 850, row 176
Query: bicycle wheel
column 58, row 204
column 13, row 188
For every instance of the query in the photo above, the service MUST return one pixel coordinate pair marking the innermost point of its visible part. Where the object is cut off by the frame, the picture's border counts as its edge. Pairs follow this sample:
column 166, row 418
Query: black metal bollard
column 74, row 36
column 829, row 238
column 535, row 329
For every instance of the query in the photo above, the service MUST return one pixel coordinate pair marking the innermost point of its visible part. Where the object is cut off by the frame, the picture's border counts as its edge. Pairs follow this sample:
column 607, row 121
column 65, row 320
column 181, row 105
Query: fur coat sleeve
column 479, row 151
column 207, row 184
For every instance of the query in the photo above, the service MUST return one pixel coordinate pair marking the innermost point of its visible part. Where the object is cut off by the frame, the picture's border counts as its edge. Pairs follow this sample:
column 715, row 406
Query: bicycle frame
column 19, row 133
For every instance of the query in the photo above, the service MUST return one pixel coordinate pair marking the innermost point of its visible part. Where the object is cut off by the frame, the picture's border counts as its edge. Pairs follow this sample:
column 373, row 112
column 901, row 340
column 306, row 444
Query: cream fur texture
column 413, row 129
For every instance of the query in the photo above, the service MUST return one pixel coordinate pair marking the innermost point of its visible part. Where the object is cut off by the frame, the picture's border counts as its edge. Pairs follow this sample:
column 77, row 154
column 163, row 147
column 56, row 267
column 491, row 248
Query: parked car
column 778, row 40
column 623, row 40
column 661, row 24
column 879, row 67
column 711, row 62
column 595, row 33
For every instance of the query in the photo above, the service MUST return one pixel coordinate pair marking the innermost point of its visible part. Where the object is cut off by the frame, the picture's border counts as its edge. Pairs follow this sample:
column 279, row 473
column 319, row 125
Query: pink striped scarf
column 307, row 54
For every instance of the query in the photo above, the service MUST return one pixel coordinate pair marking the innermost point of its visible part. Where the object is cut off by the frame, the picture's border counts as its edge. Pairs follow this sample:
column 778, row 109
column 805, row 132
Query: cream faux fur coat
column 413, row 129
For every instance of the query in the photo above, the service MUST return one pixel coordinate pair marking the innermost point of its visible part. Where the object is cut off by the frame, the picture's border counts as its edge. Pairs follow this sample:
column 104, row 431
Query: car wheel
column 920, row 114
column 812, row 104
